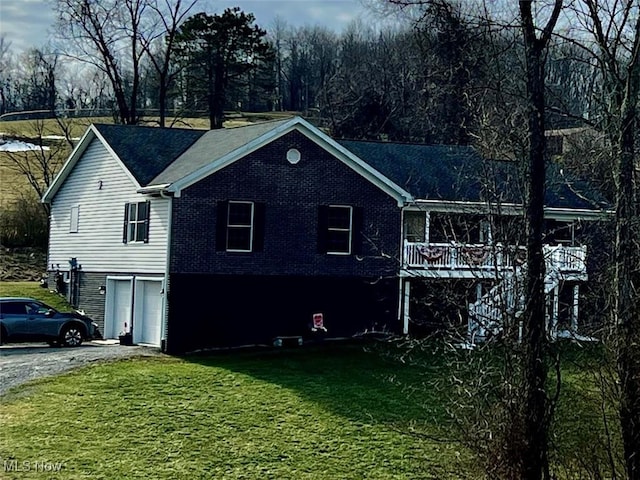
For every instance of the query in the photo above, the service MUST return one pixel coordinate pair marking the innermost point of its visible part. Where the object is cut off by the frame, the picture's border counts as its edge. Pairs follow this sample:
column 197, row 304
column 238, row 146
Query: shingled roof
column 459, row 173
column 211, row 146
column 147, row 151
column 178, row 157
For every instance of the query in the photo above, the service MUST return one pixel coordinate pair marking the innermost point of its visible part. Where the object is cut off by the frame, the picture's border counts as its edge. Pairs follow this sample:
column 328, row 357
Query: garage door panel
column 118, row 311
column 147, row 326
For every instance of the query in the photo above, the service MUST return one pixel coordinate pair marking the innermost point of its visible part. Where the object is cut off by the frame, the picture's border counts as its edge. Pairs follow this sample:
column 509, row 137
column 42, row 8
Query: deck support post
column 575, row 308
column 554, row 315
column 405, row 307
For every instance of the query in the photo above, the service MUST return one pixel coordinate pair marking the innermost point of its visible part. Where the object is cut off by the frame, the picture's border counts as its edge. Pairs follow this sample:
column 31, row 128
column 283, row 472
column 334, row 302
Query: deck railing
column 453, row 256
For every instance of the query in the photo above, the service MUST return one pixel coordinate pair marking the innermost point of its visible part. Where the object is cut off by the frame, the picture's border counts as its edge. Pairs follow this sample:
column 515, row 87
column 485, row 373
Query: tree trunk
column 627, row 283
column 210, row 92
column 162, row 101
column 216, row 106
column 534, row 461
column 123, row 108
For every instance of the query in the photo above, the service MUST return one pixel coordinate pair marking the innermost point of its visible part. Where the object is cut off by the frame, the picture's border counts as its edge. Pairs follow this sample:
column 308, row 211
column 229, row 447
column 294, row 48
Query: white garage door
column 118, row 307
column 148, row 315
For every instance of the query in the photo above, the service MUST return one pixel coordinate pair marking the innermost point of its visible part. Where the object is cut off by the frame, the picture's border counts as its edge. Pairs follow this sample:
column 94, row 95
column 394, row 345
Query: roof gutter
column 151, row 189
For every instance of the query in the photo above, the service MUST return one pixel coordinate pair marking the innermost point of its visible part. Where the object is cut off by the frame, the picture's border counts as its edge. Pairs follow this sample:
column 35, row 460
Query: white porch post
column 554, row 315
column 575, row 306
column 405, row 307
column 427, row 226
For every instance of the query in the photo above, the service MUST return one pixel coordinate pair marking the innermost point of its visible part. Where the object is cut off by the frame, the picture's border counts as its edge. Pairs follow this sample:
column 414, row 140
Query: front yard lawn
column 331, row 412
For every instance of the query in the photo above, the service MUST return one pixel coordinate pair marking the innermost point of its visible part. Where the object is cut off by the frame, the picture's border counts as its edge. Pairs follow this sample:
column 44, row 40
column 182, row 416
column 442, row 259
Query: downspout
column 165, row 289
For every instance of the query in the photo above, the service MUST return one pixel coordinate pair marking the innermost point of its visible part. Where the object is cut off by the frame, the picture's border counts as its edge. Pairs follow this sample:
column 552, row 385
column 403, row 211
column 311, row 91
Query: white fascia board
column 71, row 161
column 117, row 159
column 455, row 206
column 315, row 135
column 356, row 163
column 577, row 214
column 460, row 206
column 76, row 154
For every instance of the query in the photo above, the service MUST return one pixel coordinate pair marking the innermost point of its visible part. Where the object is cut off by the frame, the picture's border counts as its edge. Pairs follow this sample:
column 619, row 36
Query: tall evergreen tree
column 219, row 49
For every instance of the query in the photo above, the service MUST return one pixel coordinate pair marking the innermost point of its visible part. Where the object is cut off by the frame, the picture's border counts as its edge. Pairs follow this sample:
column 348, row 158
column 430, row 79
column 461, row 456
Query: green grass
column 31, row 128
column 314, row 413
column 34, row 290
column 26, row 129
column 326, row 412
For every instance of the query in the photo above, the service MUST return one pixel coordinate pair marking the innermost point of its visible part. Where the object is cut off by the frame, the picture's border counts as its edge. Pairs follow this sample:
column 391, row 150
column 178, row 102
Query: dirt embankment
column 22, row 264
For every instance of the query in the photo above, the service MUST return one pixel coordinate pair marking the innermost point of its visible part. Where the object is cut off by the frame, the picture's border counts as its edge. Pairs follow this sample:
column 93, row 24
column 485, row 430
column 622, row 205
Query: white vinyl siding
column 102, row 187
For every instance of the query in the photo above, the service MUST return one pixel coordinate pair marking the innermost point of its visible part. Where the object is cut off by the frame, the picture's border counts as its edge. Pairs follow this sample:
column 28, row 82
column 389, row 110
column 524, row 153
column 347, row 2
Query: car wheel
column 71, row 336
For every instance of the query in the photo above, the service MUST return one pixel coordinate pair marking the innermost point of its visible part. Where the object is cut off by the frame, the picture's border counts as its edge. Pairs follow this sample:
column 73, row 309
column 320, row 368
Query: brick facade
column 221, row 298
column 292, row 195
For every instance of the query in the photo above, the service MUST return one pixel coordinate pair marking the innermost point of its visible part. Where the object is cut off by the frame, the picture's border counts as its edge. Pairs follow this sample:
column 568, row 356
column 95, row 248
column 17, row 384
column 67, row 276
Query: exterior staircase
column 504, row 303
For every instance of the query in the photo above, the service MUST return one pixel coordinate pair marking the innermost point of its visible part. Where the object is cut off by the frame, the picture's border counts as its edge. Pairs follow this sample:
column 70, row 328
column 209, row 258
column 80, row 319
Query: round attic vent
column 293, row 156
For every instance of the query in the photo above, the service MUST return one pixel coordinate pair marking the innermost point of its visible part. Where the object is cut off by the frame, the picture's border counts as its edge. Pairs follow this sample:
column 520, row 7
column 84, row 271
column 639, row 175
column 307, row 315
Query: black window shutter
column 258, row 226
column 221, row 225
column 323, row 228
column 125, row 231
column 146, row 223
column 356, row 230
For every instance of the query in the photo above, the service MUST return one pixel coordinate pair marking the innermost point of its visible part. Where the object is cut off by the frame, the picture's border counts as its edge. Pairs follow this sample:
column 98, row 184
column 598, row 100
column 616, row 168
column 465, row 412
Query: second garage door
column 148, row 312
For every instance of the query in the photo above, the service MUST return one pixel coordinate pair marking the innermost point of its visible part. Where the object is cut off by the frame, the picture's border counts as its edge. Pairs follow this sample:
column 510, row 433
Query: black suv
column 28, row 320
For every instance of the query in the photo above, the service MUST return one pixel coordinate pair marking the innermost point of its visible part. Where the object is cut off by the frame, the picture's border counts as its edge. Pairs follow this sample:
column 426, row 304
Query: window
column 486, row 233
column 73, row 219
column 240, row 226
column 415, row 225
column 339, row 228
column 37, row 309
column 13, row 308
column 459, row 228
column 136, row 222
column 559, row 232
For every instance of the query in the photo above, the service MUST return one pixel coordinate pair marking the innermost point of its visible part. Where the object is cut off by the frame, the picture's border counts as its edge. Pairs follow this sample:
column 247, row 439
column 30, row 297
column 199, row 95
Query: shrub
column 24, row 224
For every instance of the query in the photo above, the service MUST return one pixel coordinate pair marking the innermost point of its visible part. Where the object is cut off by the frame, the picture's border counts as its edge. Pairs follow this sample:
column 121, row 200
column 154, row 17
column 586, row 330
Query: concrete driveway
column 20, row 363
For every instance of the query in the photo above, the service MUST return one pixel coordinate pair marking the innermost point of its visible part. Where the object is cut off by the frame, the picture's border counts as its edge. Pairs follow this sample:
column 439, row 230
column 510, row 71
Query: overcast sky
column 28, row 23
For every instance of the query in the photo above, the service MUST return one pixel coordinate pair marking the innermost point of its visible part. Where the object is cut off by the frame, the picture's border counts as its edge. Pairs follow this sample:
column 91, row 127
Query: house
column 463, row 232
column 192, row 239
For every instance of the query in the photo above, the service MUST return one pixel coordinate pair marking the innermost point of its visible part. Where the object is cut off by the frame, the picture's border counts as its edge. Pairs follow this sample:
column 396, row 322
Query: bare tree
column 40, row 165
column 107, row 35
column 616, row 32
column 606, row 36
column 535, row 455
column 159, row 45
column 37, row 85
column 529, row 408
column 5, row 66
